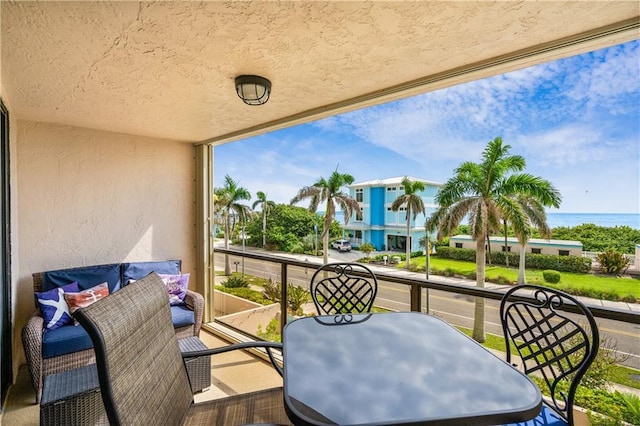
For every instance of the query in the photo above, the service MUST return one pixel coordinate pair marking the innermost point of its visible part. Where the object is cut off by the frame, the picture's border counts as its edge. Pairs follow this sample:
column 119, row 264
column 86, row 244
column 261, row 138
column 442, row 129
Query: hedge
column 532, row 261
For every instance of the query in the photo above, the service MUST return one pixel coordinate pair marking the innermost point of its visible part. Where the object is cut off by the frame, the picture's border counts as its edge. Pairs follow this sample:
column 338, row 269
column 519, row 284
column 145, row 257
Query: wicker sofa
column 68, row 347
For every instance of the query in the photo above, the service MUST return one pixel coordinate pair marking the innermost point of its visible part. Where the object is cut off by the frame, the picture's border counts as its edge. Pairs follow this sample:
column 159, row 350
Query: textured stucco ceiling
column 166, row 69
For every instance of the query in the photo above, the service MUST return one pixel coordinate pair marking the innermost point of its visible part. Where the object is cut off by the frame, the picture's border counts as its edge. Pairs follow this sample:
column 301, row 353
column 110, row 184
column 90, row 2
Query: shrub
column 296, row 298
column 532, row 261
column 612, row 262
column 297, row 248
column 456, row 254
column 272, row 333
column 633, row 407
column 235, row 281
column 504, row 281
column 367, row 248
column 271, row 291
column 551, row 276
column 415, row 268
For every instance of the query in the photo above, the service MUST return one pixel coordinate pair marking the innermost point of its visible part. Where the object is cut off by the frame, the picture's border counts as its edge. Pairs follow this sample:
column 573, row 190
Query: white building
column 534, row 245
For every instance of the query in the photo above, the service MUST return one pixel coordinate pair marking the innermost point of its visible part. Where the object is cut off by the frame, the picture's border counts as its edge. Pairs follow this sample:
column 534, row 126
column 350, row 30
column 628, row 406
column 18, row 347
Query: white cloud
column 568, row 145
column 576, row 121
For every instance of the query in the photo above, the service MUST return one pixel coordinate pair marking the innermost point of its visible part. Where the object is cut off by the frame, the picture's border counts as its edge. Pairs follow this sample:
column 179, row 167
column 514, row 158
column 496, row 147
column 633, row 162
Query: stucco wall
column 89, row 197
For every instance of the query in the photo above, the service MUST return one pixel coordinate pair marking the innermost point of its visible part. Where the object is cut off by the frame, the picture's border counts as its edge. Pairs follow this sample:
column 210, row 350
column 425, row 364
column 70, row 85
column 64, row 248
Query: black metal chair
column 342, row 288
column 550, row 344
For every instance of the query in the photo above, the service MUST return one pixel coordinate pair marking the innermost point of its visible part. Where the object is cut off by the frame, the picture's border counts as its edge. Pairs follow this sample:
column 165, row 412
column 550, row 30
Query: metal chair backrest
column 552, row 343
column 341, row 288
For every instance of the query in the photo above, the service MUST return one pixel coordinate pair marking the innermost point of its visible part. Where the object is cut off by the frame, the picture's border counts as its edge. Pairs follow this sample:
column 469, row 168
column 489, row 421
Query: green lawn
column 591, row 285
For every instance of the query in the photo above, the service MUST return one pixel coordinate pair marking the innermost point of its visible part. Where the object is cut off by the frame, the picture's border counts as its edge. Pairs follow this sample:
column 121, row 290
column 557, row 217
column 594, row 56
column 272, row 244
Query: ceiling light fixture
column 252, row 89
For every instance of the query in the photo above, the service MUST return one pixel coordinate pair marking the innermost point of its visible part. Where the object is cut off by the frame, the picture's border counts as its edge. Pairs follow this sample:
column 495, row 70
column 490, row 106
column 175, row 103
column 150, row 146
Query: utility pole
column 427, row 244
column 243, row 247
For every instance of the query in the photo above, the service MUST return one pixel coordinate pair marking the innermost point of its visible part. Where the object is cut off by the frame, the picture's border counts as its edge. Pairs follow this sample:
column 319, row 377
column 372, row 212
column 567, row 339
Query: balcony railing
column 409, row 291
column 416, row 285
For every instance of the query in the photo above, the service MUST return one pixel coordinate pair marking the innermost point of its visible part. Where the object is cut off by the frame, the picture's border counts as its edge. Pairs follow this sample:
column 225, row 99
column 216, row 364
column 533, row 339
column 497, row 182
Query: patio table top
column 402, row 368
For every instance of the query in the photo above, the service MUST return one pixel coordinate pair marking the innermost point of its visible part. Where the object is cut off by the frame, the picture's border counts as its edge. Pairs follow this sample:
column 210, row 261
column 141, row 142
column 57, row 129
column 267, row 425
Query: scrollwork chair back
column 550, row 342
column 341, row 288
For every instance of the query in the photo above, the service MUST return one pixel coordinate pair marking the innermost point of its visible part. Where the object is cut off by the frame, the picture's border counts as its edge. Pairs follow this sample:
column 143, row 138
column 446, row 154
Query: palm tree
column 487, row 192
column 229, row 197
column 267, row 205
column 328, row 191
column 413, row 203
column 534, row 216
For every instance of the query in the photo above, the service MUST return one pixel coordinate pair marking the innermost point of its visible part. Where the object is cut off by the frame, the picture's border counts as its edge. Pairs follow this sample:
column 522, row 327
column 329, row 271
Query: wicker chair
column 141, row 371
column 551, row 344
column 341, row 288
column 39, row 367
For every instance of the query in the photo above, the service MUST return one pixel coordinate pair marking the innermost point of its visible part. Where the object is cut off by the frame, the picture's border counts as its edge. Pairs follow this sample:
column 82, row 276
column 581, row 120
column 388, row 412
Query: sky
column 576, row 121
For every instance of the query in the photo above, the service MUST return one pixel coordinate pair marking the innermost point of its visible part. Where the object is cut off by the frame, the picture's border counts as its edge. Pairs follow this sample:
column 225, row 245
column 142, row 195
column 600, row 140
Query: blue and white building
column 378, row 224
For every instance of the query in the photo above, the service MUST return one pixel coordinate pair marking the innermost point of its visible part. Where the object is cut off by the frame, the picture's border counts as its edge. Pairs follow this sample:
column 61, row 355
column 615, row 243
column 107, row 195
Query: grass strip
column 590, row 285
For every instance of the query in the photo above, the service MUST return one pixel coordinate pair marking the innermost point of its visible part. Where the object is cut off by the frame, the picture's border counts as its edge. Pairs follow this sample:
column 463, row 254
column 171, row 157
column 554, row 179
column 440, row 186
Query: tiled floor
column 232, row 373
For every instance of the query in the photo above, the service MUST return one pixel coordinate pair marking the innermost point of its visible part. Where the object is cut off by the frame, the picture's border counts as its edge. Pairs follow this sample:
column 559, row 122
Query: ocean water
column 574, row 219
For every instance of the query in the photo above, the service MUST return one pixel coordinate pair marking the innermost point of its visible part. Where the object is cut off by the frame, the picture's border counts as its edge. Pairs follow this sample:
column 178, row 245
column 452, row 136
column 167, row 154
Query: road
column 456, row 309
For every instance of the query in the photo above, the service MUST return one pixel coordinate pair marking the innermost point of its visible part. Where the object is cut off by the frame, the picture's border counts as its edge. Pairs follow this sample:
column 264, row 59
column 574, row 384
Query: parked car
column 341, row 245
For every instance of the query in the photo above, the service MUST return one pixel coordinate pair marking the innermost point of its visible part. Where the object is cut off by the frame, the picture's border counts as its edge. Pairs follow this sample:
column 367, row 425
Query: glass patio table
column 401, row 368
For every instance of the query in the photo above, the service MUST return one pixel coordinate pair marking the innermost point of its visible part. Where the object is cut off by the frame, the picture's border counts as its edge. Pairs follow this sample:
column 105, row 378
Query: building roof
column 393, row 181
column 532, row 241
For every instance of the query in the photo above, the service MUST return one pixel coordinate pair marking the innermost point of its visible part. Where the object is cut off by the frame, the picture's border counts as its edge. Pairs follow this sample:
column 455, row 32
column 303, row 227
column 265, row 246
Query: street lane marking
column 497, row 308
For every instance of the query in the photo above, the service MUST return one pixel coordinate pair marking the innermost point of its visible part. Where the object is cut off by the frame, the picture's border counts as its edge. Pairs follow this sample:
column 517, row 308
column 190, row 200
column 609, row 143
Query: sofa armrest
column 195, row 301
column 32, row 343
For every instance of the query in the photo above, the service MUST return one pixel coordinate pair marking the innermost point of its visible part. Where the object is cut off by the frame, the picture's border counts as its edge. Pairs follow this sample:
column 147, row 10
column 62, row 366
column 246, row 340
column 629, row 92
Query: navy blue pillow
column 137, row 270
column 86, row 276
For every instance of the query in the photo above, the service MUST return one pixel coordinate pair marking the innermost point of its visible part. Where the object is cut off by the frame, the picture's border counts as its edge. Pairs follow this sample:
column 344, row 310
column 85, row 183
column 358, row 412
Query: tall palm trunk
column 264, row 228
column 478, row 322
column 325, row 233
column 408, row 244
column 227, row 226
column 521, row 265
column 506, row 245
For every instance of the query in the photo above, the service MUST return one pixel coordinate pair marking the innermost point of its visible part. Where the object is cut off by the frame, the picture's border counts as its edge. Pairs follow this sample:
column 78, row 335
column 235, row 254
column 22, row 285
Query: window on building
column 508, row 248
column 458, row 245
column 359, row 234
column 359, row 216
column 359, row 195
column 536, row 251
column 563, row 252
